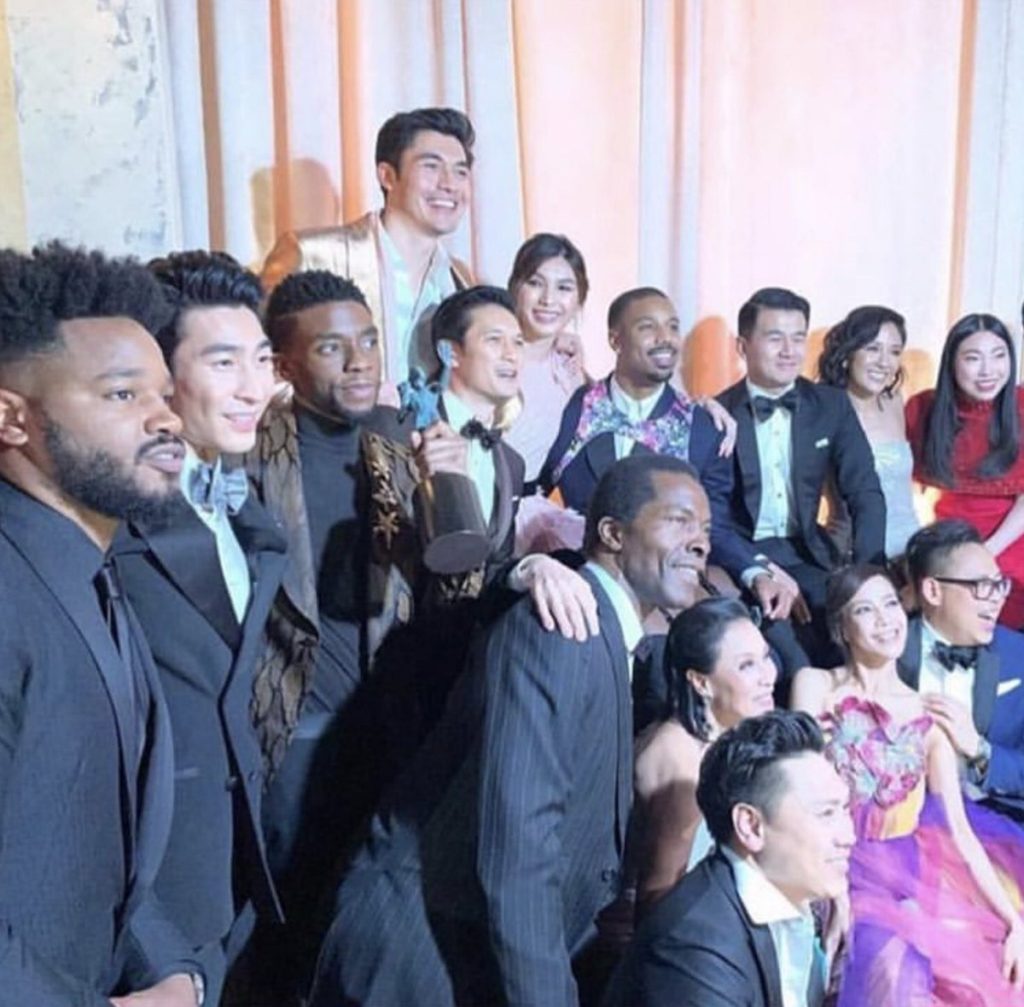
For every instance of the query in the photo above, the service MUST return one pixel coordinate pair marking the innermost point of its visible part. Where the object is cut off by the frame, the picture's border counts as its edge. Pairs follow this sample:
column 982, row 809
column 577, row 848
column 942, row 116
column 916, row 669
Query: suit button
column 609, row 875
column 231, row 783
column 255, row 776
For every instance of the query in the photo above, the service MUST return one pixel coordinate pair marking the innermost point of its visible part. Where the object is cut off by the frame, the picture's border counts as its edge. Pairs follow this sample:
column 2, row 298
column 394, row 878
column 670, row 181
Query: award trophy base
column 451, row 524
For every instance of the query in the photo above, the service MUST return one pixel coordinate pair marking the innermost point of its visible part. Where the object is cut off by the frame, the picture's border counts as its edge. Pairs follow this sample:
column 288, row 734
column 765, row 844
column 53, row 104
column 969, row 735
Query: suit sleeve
column 158, row 949
column 534, row 687
column 857, row 482
column 729, row 549
column 26, row 977
column 677, row 973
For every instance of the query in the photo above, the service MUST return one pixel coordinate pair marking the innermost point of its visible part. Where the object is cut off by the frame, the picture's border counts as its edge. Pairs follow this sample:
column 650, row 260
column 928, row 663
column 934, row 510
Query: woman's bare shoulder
column 666, row 753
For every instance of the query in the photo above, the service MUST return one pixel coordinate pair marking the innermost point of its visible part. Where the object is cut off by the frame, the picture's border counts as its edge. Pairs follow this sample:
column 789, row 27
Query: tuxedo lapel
column 801, row 446
column 986, row 682
column 747, row 456
column 186, row 551
column 600, row 454
column 618, row 663
column 909, row 664
column 501, row 514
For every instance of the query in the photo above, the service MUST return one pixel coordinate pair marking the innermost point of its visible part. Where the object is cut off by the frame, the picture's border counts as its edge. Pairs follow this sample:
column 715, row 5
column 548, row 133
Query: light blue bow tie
column 217, row 490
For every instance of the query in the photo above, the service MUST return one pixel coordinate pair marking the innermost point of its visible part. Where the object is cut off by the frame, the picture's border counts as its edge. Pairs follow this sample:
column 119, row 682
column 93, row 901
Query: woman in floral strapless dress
column 935, row 888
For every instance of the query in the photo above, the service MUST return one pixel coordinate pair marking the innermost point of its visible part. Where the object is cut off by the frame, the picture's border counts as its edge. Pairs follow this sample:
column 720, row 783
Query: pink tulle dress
column 923, row 933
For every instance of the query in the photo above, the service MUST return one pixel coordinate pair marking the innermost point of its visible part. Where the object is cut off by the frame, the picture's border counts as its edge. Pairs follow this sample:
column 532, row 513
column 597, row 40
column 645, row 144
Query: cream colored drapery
column 857, row 152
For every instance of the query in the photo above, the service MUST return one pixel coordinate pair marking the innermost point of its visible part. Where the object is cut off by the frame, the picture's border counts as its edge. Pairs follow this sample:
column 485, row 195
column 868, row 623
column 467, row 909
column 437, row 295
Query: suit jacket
column 697, row 947
column 827, row 437
column 997, row 707
column 351, row 251
column 579, row 480
column 485, row 868
column 84, row 827
column 215, row 859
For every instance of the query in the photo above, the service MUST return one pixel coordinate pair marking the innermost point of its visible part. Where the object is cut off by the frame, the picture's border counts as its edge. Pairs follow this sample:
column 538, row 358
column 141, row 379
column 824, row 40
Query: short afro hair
column 200, row 279
column 618, row 307
column 299, row 291
column 624, row 489
column 56, row 283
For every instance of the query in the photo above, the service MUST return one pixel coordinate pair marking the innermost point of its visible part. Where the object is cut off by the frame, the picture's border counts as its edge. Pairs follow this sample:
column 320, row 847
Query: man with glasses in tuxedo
column 967, row 668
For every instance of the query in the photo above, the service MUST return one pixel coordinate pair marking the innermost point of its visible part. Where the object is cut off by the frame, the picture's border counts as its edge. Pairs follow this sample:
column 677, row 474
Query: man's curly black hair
column 306, row 290
column 202, row 279
column 56, row 283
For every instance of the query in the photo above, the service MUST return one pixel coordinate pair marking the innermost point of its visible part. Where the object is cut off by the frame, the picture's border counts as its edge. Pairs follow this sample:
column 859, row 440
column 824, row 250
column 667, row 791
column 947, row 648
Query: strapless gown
column 923, row 933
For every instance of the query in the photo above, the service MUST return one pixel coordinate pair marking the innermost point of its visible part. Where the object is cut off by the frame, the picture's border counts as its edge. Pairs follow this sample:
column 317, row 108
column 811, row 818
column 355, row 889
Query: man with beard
column 488, row 861
column 86, row 766
column 202, row 586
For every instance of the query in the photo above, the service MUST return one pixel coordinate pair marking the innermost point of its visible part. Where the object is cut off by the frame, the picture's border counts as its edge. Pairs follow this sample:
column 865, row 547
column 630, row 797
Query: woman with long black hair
column 965, row 437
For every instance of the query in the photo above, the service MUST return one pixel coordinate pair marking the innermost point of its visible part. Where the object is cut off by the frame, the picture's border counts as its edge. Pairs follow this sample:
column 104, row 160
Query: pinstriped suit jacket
column 487, row 865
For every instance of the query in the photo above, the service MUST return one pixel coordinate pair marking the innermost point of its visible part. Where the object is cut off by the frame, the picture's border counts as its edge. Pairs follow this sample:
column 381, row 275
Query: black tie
column 951, row 657
column 115, row 610
column 474, row 430
column 764, row 407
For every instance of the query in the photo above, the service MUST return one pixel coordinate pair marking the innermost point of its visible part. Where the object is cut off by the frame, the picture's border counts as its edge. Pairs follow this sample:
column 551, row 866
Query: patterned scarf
column 669, row 434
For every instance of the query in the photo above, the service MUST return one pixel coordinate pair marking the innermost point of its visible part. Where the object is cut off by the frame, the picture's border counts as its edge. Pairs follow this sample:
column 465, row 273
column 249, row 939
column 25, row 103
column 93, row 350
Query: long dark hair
column 943, row 425
column 535, row 251
column 860, row 327
column 694, row 644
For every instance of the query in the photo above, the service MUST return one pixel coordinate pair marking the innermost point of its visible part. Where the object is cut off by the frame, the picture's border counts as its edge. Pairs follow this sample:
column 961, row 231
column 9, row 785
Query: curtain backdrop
column 857, row 152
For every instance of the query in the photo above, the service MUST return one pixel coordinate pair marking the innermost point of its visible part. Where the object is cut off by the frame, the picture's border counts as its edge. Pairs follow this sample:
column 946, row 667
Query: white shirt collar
column 459, row 414
column 763, row 902
column 930, row 636
column 438, row 259
column 635, row 409
column 189, row 466
column 753, row 390
column 629, row 621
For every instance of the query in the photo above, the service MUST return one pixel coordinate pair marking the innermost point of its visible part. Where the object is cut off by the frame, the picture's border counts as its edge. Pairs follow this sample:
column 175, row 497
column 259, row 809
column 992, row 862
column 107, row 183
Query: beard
column 97, row 480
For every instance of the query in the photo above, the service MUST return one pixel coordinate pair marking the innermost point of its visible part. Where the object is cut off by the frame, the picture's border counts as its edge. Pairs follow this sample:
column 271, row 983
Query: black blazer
column 997, row 707
column 697, row 947
column 215, row 859
column 488, row 863
column 827, row 437
column 83, row 834
column 579, row 480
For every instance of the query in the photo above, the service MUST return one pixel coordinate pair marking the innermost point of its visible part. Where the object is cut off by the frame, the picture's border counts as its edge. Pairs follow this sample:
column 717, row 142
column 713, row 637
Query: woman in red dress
column 965, row 436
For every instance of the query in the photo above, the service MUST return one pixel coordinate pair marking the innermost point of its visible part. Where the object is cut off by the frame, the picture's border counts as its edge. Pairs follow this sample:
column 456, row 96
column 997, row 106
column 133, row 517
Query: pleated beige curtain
column 859, row 153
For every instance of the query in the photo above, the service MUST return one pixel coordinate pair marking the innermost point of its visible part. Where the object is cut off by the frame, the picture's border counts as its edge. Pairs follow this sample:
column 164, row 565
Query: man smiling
column 86, row 771
column 202, row 585
column 396, row 258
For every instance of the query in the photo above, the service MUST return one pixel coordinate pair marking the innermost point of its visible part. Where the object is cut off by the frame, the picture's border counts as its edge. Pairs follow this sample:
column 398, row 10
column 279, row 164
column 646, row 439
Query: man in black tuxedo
column 968, row 668
column 202, row 585
column 86, row 761
column 791, row 435
column 488, row 861
column 737, row 931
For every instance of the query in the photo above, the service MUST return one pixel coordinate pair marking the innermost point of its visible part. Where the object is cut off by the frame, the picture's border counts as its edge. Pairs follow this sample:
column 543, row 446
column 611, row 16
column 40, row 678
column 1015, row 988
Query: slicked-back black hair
column 201, row 279
column 618, row 307
column 453, row 317
column 299, row 291
column 742, row 766
column 930, row 548
column 56, row 283
column 399, row 132
column 624, row 489
column 778, row 298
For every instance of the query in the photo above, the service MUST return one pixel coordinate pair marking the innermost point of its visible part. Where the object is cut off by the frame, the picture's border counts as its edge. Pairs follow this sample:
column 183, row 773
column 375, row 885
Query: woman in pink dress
column 935, row 886
column 965, row 435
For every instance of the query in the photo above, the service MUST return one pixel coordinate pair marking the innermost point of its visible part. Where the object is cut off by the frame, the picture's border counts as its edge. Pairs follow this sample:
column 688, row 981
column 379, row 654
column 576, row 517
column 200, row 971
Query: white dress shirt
column 629, row 622
column 233, row 564
column 636, row 410
column 777, row 516
column 792, row 931
column 957, row 683
column 481, row 461
column 413, row 309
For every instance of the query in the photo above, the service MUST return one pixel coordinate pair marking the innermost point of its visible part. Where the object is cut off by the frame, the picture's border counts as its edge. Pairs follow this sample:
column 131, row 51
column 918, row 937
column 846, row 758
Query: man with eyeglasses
column 968, row 669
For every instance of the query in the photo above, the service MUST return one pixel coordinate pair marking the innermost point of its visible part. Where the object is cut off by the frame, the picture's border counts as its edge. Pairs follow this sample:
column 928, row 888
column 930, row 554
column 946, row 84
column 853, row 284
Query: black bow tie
column 474, row 430
column 764, row 406
column 951, row 657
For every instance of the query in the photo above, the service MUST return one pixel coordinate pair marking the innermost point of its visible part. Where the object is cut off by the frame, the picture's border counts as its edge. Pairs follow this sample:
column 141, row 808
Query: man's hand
column 779, row 596
column 562, row 598
column 955, row 719
column 440, row 449
column 174, row 991
column 724, row 424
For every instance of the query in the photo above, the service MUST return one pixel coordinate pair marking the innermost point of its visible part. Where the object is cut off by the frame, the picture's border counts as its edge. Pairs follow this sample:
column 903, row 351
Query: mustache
column 158, row 443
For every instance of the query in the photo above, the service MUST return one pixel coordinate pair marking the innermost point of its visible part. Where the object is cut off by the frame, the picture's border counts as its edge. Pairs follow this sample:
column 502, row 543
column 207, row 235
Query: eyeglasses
column 982, row 588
